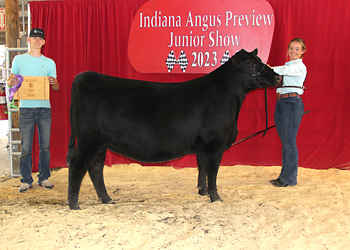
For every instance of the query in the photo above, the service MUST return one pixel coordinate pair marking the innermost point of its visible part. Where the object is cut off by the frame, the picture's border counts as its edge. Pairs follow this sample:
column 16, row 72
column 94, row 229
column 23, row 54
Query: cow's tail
column 71, row 143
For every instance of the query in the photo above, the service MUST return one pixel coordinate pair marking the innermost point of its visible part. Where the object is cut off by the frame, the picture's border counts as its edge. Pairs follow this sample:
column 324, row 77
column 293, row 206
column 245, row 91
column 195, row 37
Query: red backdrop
column 93, row 35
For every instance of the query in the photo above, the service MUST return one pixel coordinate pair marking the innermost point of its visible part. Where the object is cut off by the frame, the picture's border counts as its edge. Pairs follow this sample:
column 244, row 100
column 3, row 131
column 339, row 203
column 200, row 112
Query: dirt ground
column 159, row 208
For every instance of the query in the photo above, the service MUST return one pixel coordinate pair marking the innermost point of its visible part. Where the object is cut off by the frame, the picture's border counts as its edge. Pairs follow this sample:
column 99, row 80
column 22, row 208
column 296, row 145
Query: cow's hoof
column 215, row 197
column 74, row 207
column 107, row 201
column 202, row 192
column 212, row 201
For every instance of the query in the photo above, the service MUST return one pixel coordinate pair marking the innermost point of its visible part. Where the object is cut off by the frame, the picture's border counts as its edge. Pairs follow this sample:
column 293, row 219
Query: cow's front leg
column 212, row 189
column 96, row 176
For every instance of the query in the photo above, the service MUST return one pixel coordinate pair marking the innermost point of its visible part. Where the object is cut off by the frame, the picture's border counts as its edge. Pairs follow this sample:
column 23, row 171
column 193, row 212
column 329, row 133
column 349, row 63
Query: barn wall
column 93, row 35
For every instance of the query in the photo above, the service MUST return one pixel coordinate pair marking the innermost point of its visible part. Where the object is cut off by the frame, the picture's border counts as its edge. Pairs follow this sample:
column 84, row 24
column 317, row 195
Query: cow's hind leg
column 79, row 164
column 202, row 176
column 96, row 176
column 77, row 172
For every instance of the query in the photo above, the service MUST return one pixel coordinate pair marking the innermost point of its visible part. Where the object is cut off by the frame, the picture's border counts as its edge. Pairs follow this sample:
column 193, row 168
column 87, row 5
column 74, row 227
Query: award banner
column 33, row 88
column 197, row 36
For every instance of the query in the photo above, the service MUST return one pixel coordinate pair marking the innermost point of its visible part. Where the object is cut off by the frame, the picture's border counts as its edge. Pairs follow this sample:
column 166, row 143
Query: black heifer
column 157, row 122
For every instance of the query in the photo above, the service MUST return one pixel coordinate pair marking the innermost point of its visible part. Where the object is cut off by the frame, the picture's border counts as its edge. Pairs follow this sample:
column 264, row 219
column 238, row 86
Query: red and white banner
column 197, row 36
column 2, row 19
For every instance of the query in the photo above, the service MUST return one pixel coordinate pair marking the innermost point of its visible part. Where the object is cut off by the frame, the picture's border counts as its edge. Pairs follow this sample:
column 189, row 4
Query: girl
column 289, row 111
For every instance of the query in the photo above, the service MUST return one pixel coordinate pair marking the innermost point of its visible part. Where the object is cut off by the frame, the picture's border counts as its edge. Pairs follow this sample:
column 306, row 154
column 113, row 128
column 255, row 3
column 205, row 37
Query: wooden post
column 12, row 25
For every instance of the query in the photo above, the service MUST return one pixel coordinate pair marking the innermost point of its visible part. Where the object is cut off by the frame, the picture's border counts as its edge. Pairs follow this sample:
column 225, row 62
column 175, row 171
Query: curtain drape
column 93, row 35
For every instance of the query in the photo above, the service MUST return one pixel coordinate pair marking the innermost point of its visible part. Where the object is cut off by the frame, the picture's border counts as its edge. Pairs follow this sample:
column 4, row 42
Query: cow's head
column 260, row 75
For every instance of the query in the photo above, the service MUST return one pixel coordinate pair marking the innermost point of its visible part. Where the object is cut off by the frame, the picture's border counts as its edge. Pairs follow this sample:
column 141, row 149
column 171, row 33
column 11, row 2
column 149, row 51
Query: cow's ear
column 255, row 52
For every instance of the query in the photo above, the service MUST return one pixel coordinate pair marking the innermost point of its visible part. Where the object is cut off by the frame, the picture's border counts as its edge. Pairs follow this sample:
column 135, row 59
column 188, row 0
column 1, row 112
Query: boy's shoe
column 25, row 187
column 45, row 184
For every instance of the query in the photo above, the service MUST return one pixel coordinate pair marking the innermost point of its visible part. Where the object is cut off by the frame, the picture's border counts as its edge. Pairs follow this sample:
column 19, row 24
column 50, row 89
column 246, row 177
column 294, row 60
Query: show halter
column 266, row 113
column 257, row 75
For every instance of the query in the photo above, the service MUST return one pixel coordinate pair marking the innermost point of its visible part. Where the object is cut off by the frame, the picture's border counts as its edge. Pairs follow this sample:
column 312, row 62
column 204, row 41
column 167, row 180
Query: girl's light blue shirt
column 27, row 65
column 294, row 74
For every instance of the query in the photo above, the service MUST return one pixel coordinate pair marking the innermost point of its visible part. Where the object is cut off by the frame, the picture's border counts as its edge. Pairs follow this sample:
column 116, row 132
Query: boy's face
column 36, row 42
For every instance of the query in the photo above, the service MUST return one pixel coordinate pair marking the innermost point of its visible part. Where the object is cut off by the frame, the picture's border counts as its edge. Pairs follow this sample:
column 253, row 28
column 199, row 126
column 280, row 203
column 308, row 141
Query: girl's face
column 295, row 51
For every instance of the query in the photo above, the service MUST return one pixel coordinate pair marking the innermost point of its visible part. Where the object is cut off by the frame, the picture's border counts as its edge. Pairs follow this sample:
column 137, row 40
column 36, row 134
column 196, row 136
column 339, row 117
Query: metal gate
column 14, row 144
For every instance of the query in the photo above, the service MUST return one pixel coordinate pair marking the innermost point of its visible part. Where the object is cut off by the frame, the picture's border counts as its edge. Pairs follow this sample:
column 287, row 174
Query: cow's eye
column 251, row 65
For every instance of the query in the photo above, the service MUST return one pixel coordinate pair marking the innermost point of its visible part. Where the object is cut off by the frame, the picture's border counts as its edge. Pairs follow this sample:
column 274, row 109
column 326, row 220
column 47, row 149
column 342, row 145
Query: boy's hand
column 13, row 80
column 52, row 80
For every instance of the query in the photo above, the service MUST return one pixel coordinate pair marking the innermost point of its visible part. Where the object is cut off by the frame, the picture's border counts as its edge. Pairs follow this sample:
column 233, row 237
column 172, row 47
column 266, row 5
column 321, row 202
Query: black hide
column 157, row 122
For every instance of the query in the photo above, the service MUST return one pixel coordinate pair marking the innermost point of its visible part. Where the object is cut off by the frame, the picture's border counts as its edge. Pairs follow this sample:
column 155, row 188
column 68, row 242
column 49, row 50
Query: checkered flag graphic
column 171, row 61
column 183, row 62
column 225, row 57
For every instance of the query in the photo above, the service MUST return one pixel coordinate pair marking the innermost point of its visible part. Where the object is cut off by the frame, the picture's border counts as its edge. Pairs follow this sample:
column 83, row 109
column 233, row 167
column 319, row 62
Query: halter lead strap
column 256, row 75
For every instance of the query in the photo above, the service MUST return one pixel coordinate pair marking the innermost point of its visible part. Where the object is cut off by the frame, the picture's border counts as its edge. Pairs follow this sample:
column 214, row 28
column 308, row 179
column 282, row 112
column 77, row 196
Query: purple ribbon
column 14, row 88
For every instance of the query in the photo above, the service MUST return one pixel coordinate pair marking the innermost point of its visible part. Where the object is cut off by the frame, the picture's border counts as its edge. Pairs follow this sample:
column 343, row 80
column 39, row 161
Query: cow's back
column 149, row 122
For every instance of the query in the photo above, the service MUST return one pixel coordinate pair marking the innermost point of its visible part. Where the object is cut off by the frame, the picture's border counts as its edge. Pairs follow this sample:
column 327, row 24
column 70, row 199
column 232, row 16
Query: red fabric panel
column 93, row 35
column 323, row 138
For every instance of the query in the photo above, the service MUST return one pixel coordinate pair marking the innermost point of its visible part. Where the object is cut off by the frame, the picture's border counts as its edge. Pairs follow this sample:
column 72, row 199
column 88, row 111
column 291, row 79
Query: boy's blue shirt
column 27, row 65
